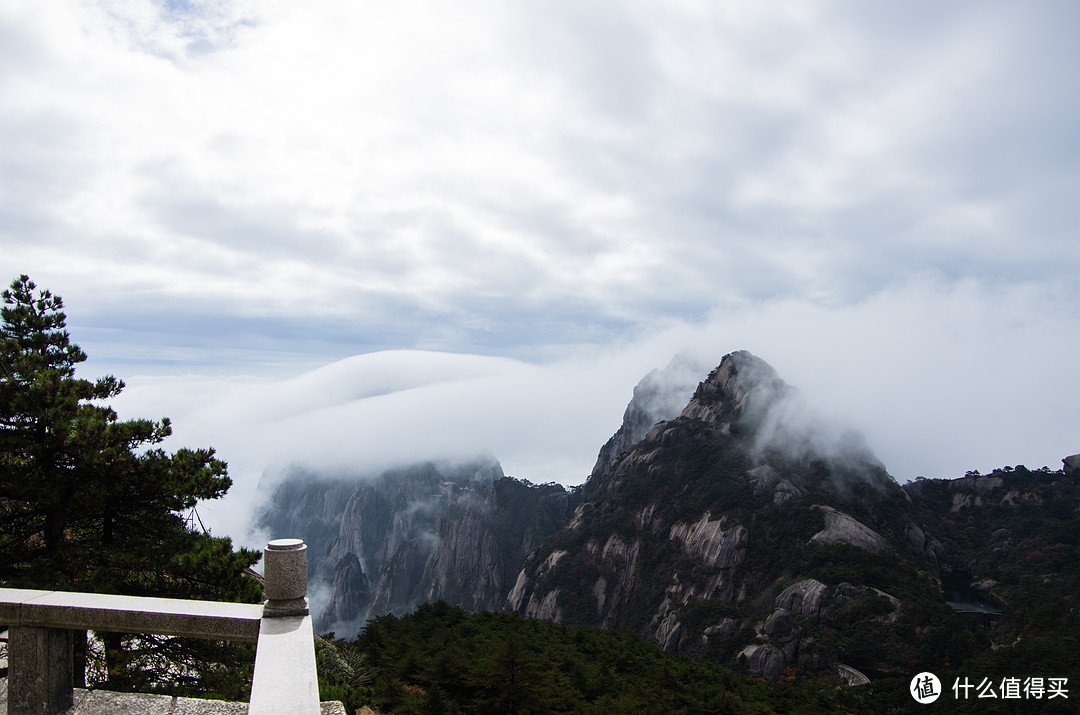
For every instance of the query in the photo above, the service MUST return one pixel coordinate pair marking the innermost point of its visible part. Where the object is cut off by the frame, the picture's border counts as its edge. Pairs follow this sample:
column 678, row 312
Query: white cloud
column 877, row 199
column 526, row 156
column 940, row 378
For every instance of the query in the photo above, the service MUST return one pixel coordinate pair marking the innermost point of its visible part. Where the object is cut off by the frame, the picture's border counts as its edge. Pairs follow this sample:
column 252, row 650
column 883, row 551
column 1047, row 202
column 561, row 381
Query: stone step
column 104, row 702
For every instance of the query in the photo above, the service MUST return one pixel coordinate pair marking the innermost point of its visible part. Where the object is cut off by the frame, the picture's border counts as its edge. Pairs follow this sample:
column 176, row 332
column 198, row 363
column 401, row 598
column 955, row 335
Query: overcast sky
column 540, row 202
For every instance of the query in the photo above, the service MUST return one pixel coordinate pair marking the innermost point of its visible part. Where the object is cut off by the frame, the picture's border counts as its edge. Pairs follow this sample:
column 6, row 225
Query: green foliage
column 93, row 503
column 176, row 666
column 1021, row 539
column 841, row 562
column 441, row 659
column 343, row 672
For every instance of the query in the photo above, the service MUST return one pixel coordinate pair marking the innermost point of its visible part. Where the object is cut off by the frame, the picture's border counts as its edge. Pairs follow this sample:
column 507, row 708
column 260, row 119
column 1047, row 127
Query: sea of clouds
column 939, row 377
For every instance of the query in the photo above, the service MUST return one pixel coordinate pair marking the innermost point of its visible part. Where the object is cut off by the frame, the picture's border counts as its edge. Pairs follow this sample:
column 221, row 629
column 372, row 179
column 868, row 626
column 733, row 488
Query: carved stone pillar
column 285, row 578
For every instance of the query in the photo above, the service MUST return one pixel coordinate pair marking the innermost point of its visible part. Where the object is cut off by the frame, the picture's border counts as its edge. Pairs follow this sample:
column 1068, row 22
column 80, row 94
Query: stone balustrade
column 40, row 625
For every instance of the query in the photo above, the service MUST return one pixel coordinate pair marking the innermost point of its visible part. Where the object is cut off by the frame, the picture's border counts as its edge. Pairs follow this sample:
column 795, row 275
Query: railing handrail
column 285, row 679
column 213, row 620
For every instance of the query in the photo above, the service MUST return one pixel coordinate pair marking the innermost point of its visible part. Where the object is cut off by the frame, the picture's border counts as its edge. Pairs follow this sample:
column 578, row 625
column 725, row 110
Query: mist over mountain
column 708, row 517
column 660, row 395
column 729, row 521
column 385, row 543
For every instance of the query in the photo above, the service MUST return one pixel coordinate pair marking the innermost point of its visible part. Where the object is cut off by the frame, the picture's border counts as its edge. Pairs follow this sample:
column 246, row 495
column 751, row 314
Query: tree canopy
column 92, row 502
column 439, row 659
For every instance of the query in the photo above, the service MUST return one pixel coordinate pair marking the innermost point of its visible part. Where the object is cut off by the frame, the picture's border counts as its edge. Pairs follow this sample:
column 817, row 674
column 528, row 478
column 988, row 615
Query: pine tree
column 89, row 502
column 94, row 502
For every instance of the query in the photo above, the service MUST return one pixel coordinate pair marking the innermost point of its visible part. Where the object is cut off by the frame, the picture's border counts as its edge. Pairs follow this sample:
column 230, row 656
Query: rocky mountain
column 743, row 529
column 385, row 543
column 429, row 532
column 750, row 530
column 660, row 395
column 728, row 522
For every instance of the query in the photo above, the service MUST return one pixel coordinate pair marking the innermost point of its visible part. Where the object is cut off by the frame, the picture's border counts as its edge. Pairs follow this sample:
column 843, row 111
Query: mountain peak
column 659, row 396
column 742, row 388
column 745, row 397
column 700, row 532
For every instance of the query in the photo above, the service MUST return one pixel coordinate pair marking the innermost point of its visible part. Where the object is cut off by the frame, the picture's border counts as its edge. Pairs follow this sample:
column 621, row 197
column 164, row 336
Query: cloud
column 385, row 409
column 939, row 378
column 476, row 164
column 879, row 201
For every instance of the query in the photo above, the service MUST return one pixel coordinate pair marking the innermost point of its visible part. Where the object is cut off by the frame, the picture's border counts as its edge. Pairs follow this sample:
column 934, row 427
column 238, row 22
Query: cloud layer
column 878, row 200
column 490, row 178
column 940, row 379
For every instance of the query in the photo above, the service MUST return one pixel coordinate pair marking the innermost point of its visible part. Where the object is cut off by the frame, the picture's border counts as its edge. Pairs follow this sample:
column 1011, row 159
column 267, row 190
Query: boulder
column 843, row 529
column 763, row 477
column 726, row 628
column 786, row 492
column 803, row 598
column 765, row 659
column 1071, row 463
column 778, row 624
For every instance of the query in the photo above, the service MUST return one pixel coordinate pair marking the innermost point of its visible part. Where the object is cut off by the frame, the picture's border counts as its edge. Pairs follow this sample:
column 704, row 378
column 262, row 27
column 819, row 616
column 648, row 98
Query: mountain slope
column 744, row 529
column 386, row 544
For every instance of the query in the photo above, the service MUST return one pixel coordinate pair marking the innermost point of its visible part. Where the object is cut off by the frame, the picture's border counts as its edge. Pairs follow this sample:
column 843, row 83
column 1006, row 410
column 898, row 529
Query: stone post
column 39, row 671
column 285, row 578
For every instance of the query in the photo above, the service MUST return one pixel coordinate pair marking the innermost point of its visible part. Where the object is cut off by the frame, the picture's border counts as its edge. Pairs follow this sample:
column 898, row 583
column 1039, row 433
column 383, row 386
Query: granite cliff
column 727, row 521
column 720, row 531
column 429, row 532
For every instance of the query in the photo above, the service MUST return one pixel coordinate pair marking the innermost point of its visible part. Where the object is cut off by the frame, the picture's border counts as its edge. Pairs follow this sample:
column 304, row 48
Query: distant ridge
column 739, row 526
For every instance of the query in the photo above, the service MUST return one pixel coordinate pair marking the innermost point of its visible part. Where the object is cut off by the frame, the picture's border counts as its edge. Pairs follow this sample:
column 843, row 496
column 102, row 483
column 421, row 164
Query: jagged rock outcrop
column 668, row 632
column 351, row 591
column 743, row 389
column 385, row 544
column 707, row 539
column 718, row 506
column 364, row 523
column 803, row 598
column 780, row 629
column 398, row 578
column 765, row 659
column 660, row 395
column 725, row 628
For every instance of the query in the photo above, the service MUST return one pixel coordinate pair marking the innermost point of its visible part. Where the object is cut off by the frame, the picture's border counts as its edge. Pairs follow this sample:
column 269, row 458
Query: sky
column 353, row 233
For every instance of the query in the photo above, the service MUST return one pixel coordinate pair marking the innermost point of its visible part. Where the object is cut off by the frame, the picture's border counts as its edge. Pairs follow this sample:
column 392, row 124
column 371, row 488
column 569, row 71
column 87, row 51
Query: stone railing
column 40, row 639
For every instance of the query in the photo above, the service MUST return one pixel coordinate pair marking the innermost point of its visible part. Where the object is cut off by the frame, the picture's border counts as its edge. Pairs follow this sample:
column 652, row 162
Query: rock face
column 660, row 395
column 715, row 511
column 1071, row 463
column 351, row 592
column 727, row 521
column 711, row 542
column 803, row 598
column 453, row 532
column 842, row 529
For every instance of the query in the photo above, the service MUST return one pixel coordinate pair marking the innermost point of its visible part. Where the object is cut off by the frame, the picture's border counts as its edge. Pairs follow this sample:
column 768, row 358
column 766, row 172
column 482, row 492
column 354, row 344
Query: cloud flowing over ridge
column 357, row 232
column 922, row 371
